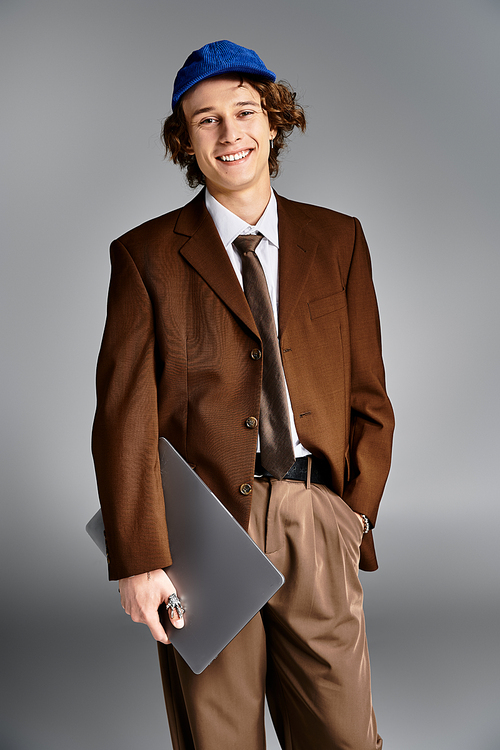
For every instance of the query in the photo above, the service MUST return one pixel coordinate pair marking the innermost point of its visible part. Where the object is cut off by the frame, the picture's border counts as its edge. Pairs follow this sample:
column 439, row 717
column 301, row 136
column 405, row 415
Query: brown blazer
column 176, row 360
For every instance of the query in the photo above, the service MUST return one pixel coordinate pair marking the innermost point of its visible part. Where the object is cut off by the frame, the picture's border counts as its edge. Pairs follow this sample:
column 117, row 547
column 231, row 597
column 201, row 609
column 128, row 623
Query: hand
column 141, row 596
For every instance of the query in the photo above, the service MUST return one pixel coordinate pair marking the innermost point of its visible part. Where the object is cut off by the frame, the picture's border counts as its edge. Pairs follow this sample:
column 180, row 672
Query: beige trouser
column 306, row 649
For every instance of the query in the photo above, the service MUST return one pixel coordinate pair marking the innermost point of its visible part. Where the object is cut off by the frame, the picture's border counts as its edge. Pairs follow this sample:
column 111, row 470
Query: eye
column 208, row 121
column 246, row 113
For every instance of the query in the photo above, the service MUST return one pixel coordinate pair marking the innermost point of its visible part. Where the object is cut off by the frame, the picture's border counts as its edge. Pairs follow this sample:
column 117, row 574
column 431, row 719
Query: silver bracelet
column 367, row 523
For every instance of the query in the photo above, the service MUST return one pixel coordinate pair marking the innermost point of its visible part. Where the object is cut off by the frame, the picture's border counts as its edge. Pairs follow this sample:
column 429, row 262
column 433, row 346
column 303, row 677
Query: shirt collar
column 231, row 226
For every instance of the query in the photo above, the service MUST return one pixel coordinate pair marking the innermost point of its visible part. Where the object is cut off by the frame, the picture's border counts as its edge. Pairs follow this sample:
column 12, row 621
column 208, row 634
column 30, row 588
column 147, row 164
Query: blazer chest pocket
column 319, row 307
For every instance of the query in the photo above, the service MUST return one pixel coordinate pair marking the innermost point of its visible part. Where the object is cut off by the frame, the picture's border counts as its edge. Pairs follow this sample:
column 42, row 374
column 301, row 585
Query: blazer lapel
column 296, row 255
column 206, row 253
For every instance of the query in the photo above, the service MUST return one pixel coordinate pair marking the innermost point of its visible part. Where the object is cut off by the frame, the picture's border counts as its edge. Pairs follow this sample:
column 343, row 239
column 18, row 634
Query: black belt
column 320, row 470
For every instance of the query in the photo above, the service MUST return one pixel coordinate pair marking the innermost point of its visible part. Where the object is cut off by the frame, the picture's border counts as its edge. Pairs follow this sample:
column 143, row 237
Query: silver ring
column 174, row 604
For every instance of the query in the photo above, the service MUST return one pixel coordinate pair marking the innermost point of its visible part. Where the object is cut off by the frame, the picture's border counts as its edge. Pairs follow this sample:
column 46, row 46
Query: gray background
column 403, row 107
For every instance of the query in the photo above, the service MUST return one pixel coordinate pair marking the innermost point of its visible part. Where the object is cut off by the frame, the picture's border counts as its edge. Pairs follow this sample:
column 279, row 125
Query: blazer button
column 256, row 354
column 245, row 489
column 251, row 423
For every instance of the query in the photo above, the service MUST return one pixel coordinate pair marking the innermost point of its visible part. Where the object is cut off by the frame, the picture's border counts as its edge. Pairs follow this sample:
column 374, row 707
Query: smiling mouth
column 234, row 157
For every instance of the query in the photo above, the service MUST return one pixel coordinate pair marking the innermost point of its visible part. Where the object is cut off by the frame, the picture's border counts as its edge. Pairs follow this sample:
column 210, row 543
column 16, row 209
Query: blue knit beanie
column 215, row 59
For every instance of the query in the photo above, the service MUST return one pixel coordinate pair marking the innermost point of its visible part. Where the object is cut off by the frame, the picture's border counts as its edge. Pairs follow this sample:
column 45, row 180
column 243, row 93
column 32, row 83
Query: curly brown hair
column 278, row 101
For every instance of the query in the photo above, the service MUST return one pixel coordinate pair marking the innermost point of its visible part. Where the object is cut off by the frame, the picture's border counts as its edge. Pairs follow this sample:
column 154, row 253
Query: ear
column 189, row 149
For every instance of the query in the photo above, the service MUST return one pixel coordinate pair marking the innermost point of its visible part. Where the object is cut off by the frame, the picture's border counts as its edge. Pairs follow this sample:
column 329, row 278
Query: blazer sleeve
column 125, row 431
column 372, row 418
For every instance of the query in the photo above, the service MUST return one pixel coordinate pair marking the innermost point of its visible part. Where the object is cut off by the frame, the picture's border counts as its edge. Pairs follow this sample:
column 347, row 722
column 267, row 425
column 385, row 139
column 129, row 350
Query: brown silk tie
column 276, row 447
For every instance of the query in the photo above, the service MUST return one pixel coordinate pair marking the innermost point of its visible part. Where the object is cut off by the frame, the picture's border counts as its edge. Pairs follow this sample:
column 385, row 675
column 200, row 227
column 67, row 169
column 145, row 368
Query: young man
column 243, row 327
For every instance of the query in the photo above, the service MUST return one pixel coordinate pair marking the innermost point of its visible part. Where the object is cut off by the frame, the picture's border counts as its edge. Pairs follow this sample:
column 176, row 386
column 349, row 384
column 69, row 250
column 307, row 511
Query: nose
column 229, row 132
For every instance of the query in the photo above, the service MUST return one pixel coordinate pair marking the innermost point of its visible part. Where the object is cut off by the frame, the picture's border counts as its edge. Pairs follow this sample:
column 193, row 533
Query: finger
column 175, row 610
column 176, row 619
column 151, row 618
column 157, row 630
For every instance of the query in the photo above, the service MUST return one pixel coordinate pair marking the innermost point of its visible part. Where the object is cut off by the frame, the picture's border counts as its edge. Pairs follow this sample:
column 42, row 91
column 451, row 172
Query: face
column 229, row 135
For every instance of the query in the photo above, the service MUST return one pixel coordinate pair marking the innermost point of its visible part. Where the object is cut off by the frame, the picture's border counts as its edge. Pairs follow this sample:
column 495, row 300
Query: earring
column 272, row 143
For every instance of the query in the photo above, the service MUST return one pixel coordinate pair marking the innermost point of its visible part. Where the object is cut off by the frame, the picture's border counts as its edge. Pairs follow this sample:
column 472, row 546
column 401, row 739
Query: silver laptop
column 221, row 576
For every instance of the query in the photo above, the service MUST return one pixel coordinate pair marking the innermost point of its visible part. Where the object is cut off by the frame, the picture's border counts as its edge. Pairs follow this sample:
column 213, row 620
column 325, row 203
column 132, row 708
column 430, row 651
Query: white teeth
column 235, row 157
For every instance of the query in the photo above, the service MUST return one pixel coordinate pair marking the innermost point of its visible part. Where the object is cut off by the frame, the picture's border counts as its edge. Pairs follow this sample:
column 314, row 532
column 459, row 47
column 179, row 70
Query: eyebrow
column 204, row 110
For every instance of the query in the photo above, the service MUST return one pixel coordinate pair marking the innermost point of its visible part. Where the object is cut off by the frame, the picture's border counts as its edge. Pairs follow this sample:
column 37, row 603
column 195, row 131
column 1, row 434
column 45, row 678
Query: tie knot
column 246, row 243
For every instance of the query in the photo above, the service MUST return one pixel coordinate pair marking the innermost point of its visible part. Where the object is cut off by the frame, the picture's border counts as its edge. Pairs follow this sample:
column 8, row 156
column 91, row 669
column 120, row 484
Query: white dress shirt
column 230, row 227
